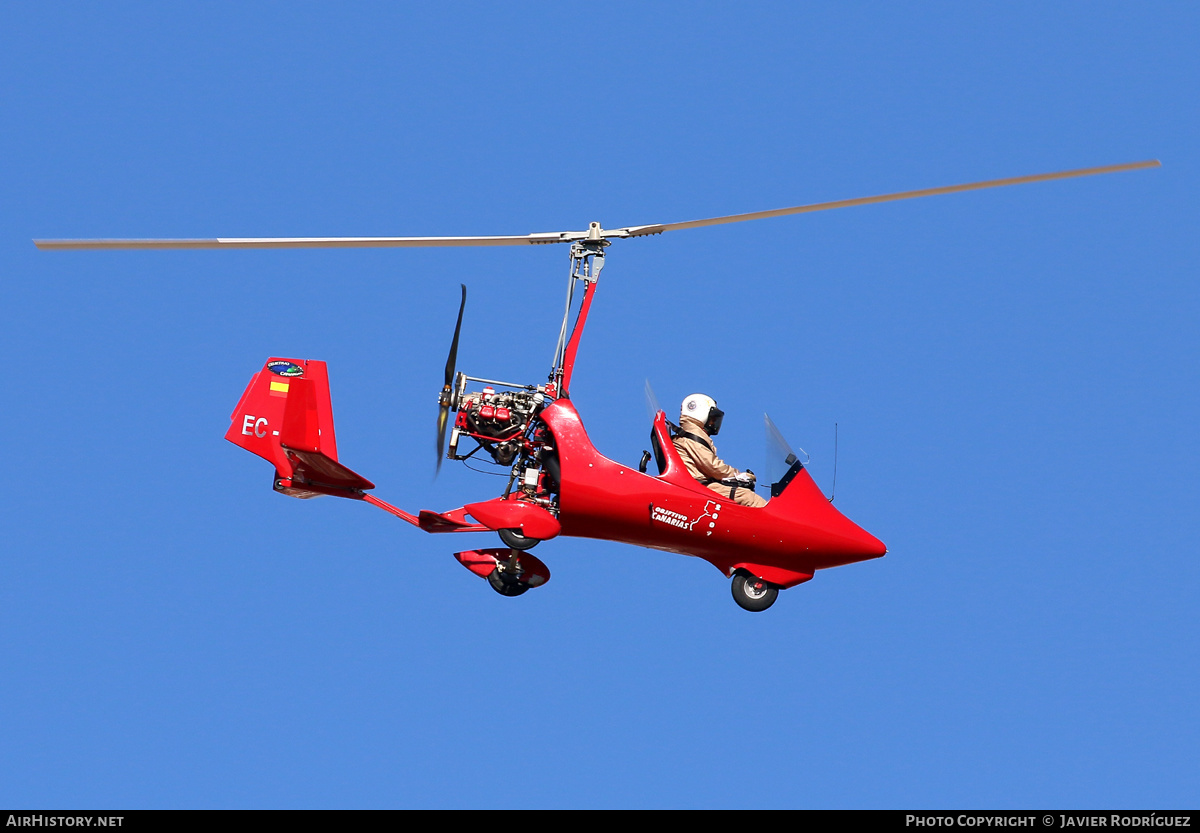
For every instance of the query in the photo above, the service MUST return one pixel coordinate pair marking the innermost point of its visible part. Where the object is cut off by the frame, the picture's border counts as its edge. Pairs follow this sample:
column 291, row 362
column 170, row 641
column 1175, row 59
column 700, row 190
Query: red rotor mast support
column 587, row 259
column 573, row 345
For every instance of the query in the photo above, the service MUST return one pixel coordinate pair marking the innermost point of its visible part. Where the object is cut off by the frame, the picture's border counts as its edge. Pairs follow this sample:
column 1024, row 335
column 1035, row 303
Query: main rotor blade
column 312, row 242
column 594, row 233
column 640, row 231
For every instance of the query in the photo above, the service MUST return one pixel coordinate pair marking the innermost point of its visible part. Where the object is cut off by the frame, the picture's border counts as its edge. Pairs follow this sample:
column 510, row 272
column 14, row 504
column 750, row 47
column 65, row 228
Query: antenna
column 833, row 491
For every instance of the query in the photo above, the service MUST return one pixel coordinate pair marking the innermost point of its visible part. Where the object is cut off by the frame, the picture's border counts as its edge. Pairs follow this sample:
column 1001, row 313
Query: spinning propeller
column 593, row 233
column 447, row 396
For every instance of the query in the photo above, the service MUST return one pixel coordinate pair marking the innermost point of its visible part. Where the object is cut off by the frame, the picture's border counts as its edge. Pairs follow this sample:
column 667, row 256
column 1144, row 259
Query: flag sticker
column 279, row 387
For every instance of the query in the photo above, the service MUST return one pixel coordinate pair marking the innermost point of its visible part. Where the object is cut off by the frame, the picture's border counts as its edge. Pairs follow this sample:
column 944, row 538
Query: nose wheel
column 507, row 571
column 505, row 584
column 752, row 593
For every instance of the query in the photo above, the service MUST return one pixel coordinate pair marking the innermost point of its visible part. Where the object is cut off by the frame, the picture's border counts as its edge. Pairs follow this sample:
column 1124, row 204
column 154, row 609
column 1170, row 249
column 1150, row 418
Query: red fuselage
column 795, row 534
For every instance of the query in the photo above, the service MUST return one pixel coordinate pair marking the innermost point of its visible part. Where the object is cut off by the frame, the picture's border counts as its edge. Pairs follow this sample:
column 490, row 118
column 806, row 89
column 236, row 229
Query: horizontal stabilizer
column 453, row 521
column 314, row 468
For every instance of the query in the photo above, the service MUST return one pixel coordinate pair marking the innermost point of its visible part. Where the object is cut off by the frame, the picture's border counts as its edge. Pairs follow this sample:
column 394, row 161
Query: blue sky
column 1013, row 374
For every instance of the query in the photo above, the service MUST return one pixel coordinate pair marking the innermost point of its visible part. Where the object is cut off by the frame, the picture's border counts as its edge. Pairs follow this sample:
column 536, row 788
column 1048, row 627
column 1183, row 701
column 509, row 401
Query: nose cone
column 845, row 541
column 871, row 546
column 828, row 538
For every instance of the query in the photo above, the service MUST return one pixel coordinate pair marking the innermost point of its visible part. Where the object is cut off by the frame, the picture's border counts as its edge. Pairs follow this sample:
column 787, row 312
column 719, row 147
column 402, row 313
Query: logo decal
column 675, row 519
column 285, row 368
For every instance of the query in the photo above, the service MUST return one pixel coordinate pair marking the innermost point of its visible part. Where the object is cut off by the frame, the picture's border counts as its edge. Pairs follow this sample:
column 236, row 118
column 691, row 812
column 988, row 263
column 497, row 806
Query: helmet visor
column 713, row 424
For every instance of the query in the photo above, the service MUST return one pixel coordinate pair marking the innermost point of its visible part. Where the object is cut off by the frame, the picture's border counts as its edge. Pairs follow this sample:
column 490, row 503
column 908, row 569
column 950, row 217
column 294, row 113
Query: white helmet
column 704, row 410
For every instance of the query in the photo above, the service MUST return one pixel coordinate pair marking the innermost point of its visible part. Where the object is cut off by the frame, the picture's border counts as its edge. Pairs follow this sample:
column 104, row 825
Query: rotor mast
column 587, row 259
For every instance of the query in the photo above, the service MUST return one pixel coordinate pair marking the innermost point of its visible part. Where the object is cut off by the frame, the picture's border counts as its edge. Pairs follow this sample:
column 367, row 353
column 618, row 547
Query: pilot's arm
column 709, row 464
column 701, row 457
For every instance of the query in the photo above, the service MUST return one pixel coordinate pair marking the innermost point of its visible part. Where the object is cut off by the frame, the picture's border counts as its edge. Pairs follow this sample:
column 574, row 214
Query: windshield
column 782, row 462
column 651, row 402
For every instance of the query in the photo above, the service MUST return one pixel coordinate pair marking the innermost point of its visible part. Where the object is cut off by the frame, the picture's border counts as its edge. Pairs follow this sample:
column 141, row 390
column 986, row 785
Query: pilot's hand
column 746, row 477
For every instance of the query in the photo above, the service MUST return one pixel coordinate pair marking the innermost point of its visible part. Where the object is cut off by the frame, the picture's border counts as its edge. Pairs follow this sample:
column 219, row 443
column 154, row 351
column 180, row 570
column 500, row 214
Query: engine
column 497, row 421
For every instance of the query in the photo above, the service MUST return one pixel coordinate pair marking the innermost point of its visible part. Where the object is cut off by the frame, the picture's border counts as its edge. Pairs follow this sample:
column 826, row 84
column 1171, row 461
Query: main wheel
column 752, row 593
column 506, row 586
column 514, row 539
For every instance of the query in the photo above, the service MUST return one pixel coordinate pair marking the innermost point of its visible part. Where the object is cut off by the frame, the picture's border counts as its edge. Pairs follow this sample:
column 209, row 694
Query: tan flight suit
column 703, row 464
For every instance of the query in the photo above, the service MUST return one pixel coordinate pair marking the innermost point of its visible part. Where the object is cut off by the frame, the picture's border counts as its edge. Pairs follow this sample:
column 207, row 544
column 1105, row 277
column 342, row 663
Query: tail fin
column 286, row 417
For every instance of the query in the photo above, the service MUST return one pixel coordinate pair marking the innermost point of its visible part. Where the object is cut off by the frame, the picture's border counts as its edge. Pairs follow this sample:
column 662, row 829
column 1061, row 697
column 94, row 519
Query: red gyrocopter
column 558, row 484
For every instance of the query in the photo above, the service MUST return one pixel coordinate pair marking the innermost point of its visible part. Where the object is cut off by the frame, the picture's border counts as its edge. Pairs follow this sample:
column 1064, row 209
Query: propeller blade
column 443, row 415
column 453, row 358
column 641, row 231
column 447, row 388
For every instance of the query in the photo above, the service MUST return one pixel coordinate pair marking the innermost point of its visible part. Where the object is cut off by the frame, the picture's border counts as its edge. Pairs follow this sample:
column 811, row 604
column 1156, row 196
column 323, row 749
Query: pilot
column 699, row 421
